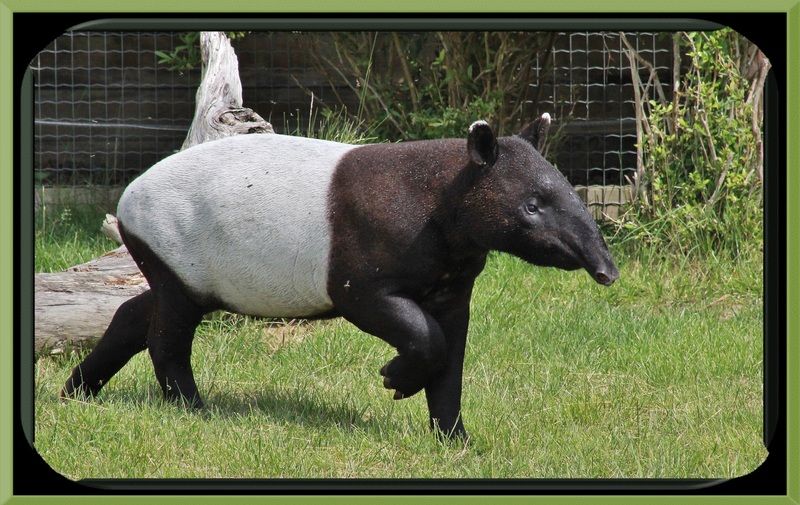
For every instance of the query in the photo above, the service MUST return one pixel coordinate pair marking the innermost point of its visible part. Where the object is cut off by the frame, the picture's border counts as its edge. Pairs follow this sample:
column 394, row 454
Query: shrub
column 429, row 85
column 698, row 184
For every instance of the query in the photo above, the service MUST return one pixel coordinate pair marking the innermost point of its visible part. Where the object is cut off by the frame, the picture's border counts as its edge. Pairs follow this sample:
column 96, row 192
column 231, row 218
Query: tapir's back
column 242, row 219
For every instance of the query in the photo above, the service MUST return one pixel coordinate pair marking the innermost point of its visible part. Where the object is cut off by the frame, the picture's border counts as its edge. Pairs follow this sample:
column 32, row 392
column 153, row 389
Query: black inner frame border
column 32, row 475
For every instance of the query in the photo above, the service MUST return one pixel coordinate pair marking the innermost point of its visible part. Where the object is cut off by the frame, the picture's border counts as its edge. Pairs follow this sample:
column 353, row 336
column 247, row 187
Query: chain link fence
column 106, row 109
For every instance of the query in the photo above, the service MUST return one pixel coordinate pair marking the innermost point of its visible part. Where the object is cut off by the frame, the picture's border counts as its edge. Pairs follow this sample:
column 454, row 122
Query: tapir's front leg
column 443, row 391
column 403, row 324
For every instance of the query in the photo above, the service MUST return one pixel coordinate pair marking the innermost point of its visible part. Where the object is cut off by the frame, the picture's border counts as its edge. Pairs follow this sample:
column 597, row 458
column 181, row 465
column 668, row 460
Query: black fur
column 124, row 337
column 412, row 225
column 536, row 132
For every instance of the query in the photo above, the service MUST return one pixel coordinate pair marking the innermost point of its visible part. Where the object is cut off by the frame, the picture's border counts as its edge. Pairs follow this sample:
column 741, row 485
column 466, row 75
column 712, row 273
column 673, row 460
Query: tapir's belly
column 243, row 220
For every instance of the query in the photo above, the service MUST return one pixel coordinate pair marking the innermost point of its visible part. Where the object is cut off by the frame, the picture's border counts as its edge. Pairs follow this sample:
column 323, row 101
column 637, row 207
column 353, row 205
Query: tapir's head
column 519, row 203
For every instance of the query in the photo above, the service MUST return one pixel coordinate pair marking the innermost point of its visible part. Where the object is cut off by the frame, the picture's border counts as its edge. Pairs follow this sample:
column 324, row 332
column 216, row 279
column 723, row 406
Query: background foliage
column 421, row 86
column 698, row 187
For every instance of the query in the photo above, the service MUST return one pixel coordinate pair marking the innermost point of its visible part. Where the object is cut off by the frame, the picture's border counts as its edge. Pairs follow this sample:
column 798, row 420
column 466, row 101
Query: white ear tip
column 546, row 117
column 477, row 123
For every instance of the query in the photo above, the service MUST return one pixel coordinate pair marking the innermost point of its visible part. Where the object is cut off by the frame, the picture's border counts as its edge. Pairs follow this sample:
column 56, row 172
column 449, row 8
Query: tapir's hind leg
column 124, row 337
column 169, row 340
column 174, row 318
column 162, row 319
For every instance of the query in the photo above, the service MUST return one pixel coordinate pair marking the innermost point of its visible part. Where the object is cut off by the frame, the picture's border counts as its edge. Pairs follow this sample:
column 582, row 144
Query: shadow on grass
column 292, row 406
column 275, row 405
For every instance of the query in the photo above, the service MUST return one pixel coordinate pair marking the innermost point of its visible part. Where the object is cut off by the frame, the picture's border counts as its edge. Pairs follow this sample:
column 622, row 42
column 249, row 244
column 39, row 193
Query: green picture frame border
column 8, row 214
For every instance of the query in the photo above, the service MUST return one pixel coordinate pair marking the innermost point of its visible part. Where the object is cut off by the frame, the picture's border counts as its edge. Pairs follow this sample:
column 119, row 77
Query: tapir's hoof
column 455, row 436
column 66, row 394
column 456, row 433
column 75, row 389
column 402, row 377
column 196, row 404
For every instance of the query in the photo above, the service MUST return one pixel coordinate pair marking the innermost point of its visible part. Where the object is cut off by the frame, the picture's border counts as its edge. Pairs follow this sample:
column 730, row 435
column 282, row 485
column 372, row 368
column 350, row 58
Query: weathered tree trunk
column 73, row 308
column 219, row 112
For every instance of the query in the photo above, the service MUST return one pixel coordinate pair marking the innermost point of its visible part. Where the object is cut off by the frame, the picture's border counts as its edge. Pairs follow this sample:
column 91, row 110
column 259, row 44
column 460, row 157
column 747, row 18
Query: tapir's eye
column 530, row 207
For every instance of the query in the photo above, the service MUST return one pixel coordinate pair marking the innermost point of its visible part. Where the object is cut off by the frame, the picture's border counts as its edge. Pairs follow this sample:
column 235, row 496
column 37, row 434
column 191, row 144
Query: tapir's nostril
column 604, row 278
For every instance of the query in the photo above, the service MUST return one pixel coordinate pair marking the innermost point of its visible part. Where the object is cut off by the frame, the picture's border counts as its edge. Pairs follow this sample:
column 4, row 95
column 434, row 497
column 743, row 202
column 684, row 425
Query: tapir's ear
column 536, row 132
column 481, row 144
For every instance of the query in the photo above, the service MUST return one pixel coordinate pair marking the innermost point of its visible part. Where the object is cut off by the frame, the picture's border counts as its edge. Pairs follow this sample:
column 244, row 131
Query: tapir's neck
column 395, row 207
column 420, row 181
column 429, row 167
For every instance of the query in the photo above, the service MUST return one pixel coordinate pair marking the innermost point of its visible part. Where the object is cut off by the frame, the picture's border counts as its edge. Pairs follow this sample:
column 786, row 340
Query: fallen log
column 73, row 308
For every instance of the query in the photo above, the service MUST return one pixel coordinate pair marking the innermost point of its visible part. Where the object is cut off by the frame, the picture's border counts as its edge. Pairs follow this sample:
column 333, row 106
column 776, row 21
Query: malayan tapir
column 389, row 236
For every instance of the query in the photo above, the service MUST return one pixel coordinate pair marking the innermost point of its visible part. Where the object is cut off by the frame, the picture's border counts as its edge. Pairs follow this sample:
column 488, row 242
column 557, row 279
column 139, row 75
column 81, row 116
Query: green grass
column 657, row 376
column 66, row 236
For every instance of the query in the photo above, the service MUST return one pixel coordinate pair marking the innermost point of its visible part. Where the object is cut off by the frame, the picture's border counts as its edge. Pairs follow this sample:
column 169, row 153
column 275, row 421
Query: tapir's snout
column 598, row 262
column 593, row 255
column 606, row 275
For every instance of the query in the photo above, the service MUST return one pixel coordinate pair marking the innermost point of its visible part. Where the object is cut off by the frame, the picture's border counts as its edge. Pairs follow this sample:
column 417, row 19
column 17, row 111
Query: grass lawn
column 657, row 376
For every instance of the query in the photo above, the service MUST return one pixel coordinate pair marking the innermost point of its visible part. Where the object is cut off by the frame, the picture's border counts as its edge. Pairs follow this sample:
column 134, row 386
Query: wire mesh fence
column 106, row 109
column 590, row 86
column 587, row 82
